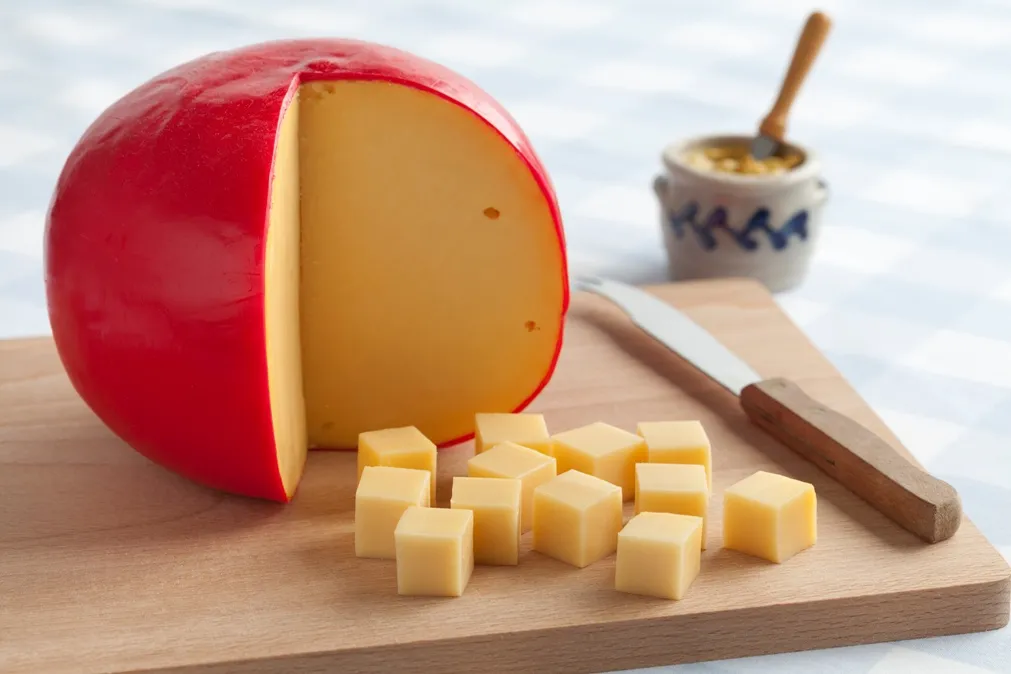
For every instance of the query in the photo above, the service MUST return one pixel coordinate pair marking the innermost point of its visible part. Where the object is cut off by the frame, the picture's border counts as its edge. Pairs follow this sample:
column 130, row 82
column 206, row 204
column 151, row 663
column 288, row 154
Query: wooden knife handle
column 855, row 457
column 808, row 45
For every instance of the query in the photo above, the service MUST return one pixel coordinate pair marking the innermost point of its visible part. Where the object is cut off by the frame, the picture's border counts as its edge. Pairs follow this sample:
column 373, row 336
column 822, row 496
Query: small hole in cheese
column 491, row 213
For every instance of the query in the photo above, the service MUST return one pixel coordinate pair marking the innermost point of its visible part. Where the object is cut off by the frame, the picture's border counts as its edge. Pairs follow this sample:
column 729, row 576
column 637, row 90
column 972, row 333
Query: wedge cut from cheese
column 286, row 245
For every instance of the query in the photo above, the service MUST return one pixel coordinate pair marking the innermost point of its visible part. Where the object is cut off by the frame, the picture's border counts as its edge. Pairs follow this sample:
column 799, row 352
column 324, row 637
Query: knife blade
column 848, row 452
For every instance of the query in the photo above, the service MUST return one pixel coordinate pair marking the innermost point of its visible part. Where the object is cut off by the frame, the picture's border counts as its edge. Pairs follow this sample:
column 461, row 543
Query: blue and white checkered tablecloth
column 909, row 107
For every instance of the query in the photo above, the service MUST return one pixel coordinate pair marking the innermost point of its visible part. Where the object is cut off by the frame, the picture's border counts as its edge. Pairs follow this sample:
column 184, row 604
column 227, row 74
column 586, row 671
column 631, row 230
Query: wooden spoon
column 773, row 127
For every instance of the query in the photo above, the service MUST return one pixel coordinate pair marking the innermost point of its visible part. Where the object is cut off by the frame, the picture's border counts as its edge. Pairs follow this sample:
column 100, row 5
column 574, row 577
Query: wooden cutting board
column 110, row 564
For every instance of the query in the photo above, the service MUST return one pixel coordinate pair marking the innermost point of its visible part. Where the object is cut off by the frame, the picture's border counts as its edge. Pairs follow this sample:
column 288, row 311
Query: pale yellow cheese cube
column 601, row 450
column 678, row 442
column 673, row 488
column 435, row 551
column 659, row 555
column 383, row 494
column 527, row 429
column 770, row 516
column 509, row 460
column 577, row 518
column 404, row 447
column 496, row 505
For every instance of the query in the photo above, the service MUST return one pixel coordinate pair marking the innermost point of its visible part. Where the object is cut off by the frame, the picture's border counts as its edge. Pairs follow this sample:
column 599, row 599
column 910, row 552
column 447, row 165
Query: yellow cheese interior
column 281, row 306
column 419, row 279
column 434, row 551
column 678, row 442
column 658, row 555
column 601, row 450
column 404, row 447
column 527, row 429
column 495, row 503
column 509, row 460
column 382, row 496
column 577, row 518
column 770, row 516
column 673, row 488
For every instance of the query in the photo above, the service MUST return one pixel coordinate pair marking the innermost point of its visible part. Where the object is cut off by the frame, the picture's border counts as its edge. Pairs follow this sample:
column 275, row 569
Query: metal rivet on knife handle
column 856, row 458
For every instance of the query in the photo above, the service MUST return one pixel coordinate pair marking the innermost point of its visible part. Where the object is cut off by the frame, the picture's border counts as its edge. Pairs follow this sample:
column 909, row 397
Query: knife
column 851, row 454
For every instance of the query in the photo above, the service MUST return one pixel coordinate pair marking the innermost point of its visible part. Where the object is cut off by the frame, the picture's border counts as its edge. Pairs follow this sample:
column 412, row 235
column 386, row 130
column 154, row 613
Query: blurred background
column 908, row 106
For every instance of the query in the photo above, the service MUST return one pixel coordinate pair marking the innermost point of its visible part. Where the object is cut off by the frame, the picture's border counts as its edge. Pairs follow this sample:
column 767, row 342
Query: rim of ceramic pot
column 674, row 158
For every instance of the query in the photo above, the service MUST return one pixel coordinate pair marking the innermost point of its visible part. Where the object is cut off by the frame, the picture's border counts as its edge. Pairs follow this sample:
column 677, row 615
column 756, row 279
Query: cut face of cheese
column 281, row 307
column 398, row 224
column 413, row 312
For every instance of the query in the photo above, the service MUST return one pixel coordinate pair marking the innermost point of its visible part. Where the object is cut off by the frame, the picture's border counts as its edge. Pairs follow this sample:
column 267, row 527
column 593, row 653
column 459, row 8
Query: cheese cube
column 509, row 460
column 603, row 451
column 435, row 551
column 659, row 555
column 577, row 518
column 404, row 447
column 383, row 494
column 496, row 506
column 525, row 429
column 678, row 442
column 770, row 516
column 672, row 488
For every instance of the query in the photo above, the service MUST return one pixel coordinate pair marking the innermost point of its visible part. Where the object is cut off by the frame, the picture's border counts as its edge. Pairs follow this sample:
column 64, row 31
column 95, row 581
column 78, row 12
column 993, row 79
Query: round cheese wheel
column 276, row 248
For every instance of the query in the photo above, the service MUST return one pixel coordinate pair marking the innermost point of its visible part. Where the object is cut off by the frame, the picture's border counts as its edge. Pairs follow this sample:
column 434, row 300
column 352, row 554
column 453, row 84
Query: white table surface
column 909, row 106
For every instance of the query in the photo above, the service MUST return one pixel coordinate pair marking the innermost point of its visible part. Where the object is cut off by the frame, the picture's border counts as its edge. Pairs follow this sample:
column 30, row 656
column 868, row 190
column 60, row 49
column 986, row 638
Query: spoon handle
column 808, row 46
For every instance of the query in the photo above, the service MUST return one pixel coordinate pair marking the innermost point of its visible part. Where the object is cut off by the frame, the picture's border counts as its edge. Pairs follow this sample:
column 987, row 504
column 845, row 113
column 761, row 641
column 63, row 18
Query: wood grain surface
column 110, row 564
